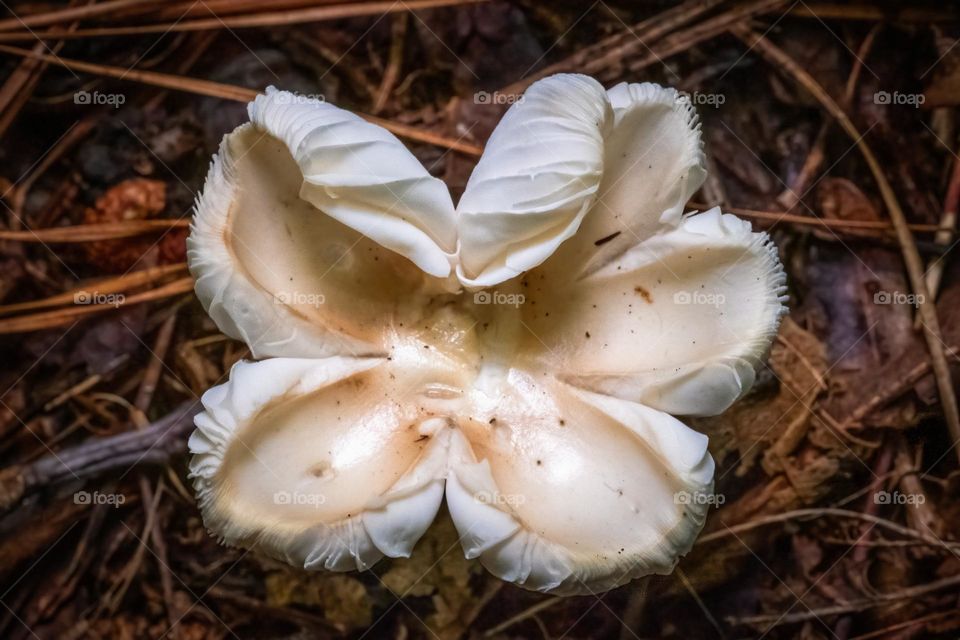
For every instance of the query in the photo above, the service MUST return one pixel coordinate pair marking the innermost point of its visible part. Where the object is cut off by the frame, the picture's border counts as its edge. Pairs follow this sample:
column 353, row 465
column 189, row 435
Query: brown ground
column 849, row 405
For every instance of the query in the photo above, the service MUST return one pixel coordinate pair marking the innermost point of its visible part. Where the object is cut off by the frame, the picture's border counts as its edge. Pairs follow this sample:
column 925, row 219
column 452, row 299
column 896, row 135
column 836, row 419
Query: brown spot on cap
column 643, row 294
column 606, row 239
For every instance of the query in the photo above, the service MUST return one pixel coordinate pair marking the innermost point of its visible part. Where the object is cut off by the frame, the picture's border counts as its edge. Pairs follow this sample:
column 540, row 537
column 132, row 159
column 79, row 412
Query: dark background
column 93, row 397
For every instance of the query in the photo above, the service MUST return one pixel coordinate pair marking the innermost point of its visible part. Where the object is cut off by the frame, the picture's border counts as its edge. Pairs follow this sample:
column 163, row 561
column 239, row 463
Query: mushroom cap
column 522, row 353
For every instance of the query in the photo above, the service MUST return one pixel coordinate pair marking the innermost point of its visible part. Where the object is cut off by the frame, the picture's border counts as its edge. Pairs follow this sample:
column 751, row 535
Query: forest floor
column 833, row 126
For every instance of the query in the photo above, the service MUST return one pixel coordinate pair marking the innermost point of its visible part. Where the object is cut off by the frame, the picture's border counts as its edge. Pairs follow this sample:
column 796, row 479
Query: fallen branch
column 152, row 445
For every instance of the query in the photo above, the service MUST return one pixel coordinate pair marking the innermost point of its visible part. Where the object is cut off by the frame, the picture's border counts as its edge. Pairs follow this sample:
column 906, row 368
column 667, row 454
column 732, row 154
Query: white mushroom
column 541, row 408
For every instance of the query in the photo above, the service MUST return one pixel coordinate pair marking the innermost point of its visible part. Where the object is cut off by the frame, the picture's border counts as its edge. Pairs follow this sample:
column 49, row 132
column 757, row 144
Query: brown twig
column 71, row 13
column 261, row 19
column 394, row 62
column 116, row 284
column 699, row 602
column 900, row 385
column 286, row 613
column 881, row 12
column 620, row 45
column 810, row 221
column 853, row 606
column 19, row 192
column 93, row 232
column 804, row 514
column 870, row 507
column 790, row 197
column 60, row 317
column 144, row 398
column 152, row 375
column 884, row 632
column 543, row 605
column 946, row 229
column 708, row 29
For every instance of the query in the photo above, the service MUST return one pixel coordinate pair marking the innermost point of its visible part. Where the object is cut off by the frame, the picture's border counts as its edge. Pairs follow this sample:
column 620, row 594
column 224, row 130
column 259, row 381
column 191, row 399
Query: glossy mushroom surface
column 521, row 354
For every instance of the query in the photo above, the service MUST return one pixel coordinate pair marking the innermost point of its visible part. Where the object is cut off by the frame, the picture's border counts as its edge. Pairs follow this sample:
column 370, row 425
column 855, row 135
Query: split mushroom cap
column 520, row 353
